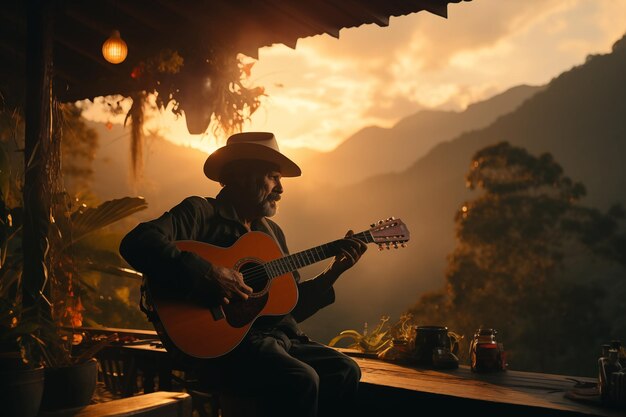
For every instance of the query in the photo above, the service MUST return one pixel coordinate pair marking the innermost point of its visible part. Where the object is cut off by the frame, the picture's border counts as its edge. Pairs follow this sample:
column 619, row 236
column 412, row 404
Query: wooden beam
column 143, row 17
column 436, row 7
column 98, row 59
column 38, row 139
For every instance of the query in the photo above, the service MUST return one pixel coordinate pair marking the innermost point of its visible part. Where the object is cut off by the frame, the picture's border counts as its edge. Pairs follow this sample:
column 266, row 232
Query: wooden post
column 37, row 154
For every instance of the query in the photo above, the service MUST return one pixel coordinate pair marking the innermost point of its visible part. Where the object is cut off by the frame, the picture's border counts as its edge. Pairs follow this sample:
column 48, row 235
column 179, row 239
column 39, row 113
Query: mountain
column 578, row 117
column 375, row 150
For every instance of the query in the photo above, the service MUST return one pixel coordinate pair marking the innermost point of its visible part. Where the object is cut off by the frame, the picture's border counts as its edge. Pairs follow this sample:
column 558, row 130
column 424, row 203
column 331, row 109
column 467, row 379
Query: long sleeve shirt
column 150, row 249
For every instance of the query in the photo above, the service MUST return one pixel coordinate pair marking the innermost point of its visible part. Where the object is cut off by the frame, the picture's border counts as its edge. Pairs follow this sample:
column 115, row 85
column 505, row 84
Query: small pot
column 21, row 391
column 70, row 386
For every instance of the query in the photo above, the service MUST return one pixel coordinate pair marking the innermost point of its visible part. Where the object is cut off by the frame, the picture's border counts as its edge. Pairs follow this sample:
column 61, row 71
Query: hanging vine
column 209, row 88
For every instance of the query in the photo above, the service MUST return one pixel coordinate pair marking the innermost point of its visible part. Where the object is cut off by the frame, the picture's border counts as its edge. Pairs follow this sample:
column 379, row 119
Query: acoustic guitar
column 204, row 331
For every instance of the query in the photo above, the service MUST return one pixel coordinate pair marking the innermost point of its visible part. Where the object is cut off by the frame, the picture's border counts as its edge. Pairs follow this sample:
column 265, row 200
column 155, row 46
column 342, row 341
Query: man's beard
column 252, row 196
column 269, row 205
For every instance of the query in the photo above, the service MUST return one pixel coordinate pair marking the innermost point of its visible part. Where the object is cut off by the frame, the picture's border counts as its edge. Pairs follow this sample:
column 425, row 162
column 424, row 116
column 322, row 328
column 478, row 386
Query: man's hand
column 231, row 284
column 351, row 250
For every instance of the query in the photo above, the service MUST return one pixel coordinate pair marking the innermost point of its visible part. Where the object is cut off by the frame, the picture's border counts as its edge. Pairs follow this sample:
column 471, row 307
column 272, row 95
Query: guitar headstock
column 389, row 233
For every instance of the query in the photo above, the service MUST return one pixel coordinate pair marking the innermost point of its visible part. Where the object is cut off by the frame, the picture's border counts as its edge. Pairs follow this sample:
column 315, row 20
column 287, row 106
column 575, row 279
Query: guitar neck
column 308, row 257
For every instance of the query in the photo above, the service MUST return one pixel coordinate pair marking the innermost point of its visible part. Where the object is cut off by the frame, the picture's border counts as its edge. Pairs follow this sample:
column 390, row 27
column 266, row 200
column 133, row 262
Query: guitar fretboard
column 298, row 260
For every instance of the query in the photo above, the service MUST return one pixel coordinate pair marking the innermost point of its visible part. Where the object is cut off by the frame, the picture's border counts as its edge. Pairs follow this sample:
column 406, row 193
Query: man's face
column 270, row 189
column 259, row 192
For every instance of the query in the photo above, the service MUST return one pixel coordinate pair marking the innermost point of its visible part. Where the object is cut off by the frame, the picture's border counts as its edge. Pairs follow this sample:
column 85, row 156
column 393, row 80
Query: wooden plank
column 157, row 404
column 532, row 390
column 146, row 334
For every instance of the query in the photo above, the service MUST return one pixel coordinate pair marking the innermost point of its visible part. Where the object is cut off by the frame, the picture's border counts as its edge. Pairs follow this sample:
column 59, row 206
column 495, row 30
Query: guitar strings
column 258, row 273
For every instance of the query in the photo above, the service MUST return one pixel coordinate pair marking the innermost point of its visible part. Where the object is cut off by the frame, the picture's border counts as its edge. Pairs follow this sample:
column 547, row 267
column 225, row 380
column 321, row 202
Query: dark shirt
column 149, row 248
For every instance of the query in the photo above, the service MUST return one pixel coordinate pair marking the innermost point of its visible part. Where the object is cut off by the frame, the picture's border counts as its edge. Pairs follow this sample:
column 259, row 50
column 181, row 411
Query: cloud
column 327, row 89
column 469, row 26
column 387, row 107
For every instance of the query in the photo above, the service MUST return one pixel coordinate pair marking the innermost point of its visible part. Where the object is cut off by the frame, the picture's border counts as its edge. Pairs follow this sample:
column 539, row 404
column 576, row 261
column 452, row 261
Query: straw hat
column 250, row 145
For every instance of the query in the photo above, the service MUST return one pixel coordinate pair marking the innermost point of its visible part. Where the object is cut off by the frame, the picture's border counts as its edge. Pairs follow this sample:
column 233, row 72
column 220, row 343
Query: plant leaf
column 92, row 219
column 344, row 335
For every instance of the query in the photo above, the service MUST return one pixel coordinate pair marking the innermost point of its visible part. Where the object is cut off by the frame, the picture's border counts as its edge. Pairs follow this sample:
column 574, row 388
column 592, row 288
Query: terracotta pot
column 70, row 386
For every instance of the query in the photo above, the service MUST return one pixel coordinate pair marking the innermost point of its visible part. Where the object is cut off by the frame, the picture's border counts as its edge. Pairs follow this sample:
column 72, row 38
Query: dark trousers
column 292, row 377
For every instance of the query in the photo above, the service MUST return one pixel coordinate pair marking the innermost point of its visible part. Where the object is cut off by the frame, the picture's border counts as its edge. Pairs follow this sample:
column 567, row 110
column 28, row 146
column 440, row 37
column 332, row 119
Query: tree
column 78, row 150
column 512, row 266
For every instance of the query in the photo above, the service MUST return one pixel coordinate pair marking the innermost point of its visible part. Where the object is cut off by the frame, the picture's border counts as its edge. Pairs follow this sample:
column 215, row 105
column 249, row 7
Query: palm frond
column 92, row 219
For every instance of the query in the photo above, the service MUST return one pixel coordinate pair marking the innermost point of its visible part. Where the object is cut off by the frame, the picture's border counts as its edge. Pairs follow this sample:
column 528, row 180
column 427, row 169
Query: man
column 293, row 375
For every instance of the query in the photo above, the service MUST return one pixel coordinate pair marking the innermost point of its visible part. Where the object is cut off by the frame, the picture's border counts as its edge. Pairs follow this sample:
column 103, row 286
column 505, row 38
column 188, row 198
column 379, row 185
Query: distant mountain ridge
column 375, row 150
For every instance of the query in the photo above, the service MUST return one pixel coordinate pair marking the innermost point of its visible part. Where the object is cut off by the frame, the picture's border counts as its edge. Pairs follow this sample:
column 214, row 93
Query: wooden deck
column 389, row 388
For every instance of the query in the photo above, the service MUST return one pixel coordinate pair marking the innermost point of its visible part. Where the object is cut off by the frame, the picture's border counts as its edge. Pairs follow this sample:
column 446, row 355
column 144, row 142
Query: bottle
column 617, row 345
column 618, row 389
column 612, row 366
column 603, row 386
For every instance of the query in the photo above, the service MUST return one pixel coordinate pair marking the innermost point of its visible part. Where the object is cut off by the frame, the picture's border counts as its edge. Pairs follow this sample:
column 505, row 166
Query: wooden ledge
column 156, row 404
column 513, row 392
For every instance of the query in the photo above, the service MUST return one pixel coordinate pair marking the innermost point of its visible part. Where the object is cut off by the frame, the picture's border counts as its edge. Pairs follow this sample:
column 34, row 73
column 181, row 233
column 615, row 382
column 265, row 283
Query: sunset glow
column 327, row 89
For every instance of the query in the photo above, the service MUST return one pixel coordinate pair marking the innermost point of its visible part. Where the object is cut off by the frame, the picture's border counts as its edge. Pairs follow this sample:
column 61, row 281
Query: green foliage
column 209, row 86
column 17, row 336
column 71, row 226
column 512, row 267
column 38, row 337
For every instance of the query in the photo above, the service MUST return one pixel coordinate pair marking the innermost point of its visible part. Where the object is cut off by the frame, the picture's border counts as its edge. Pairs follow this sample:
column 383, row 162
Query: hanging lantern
column 114, row 49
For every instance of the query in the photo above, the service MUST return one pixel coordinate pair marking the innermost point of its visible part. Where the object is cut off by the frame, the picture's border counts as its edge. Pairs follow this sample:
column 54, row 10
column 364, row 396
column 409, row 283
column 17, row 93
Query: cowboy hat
column 260, row 146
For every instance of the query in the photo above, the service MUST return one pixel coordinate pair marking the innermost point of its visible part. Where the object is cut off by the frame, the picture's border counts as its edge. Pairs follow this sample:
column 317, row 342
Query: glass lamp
column 114, row 49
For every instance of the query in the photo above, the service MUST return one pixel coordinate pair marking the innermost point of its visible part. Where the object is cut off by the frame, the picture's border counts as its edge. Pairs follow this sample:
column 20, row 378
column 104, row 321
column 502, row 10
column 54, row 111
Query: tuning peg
column 373, row 225
column 395, row 246
column 403, row 245
column 380, row 247
column 380, row 222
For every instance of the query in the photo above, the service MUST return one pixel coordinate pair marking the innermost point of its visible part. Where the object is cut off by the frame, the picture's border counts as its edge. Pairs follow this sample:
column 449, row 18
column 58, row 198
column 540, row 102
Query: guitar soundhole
column 239, row 313
column 254, row 275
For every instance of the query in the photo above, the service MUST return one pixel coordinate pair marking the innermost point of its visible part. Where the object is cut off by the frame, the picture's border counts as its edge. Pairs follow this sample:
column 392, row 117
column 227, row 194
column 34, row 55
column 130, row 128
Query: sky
column 326, row 89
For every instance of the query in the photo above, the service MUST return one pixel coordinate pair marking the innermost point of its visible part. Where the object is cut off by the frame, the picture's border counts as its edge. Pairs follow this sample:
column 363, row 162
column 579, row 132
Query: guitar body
column 204, row 331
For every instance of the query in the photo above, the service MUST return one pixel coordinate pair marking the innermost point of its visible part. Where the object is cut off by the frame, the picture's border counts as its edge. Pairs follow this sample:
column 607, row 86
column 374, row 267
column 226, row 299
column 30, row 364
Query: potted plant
column 29, row 341
column 71, row 370
column 44, row 336
column 21, row 376
column 21, row 370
